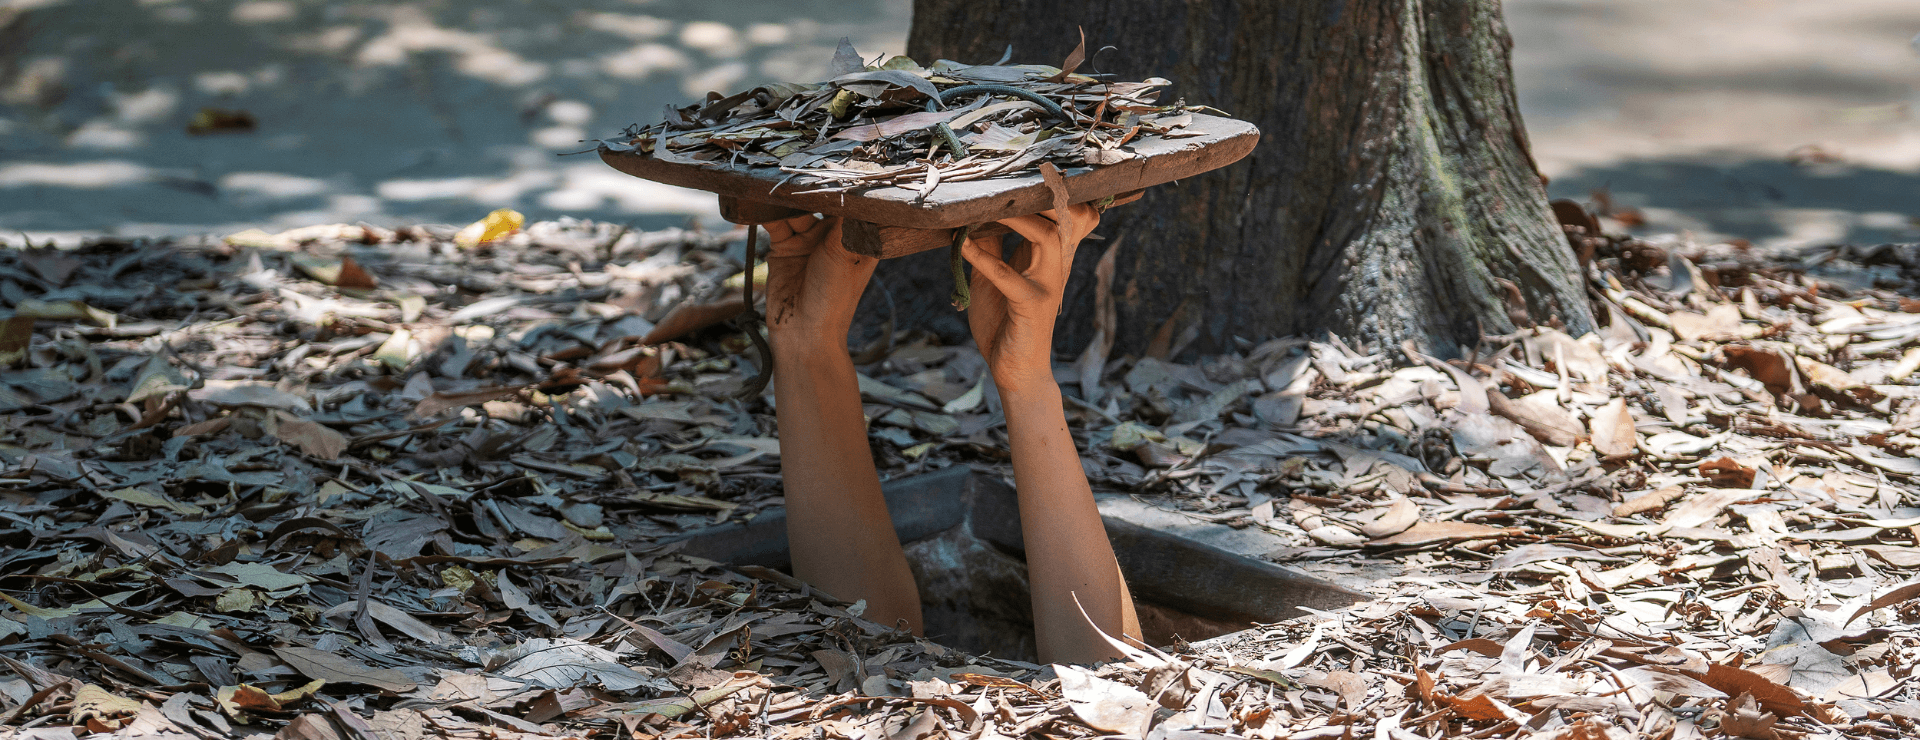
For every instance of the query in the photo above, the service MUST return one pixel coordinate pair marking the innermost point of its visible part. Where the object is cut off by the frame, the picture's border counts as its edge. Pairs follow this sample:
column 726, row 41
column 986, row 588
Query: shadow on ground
column 1775, row 204
column 388, row 112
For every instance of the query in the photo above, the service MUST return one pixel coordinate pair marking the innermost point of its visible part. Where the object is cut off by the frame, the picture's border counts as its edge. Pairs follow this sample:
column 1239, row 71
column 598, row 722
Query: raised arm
column 837, row 525
column 1068, row 555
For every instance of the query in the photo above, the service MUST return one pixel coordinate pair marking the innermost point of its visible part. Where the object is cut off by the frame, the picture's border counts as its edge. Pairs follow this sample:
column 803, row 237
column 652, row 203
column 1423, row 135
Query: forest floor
column 345, row 482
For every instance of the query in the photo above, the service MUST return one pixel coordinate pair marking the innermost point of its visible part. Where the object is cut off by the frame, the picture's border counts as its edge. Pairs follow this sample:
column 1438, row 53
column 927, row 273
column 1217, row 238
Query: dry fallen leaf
column 1391, row 519
column 310, row 437
column 1427, row 533
column 1771, row 366
column 1540, row 415
column 1744, row 720
column 1771, row 696
column 1726, row 472
column 333, row 669
column 1105, row 705
column 1648, row 501
column 496, row 225
column 1613, row 434
column 353, row 277
column 100, row 707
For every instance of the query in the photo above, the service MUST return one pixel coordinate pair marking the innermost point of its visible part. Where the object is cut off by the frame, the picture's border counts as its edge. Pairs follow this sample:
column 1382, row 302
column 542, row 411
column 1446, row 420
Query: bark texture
column 1391, row 192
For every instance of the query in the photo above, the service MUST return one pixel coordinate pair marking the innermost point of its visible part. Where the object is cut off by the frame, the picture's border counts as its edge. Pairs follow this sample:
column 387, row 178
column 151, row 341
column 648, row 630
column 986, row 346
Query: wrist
column 1020, row 387
column 807, row 349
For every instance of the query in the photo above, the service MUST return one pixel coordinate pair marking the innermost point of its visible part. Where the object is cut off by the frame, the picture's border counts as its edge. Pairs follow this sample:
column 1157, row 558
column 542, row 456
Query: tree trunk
column 1391, row 193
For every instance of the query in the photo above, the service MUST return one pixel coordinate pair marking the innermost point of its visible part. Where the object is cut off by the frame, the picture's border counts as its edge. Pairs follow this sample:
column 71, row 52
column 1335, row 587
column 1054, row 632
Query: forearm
column 839, row 532
column 1069, row 558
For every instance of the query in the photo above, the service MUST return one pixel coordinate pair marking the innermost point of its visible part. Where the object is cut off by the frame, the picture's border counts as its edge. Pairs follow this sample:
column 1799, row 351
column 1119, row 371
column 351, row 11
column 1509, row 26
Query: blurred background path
column 1785, row 123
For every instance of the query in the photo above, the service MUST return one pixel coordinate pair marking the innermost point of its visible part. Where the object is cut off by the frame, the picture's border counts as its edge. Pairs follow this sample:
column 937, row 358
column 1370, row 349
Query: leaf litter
column 240, row 500
column 903, row 124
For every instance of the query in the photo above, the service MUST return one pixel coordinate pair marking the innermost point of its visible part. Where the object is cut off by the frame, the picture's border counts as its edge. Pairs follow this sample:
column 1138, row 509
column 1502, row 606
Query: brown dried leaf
column 1391, row 519
column 1351, row 687
column 1540, row 415
column 352, row 277
column 1744, row 720
column 1896, row 596
column 1648, row 501
column 1480, row 708
column 310, row 437
column 1836, row 381
column 1725, row 472
column 1771, row 696
column 1581, row 358
column 1772, row 367
column 54, row 265
column 692, row 316
column 443, row 401
column 1703, row 508
column 1895, row 555
column 1093, row 360
column 1427, row 533
column 1865, row 685
column 1720, row 323
column 94, row 703
column 334, row 668
column 1479, row 645
column 1105, row 705
column 309, row 727
column 1613, row 434
column 1073, row 60
column 898, row 125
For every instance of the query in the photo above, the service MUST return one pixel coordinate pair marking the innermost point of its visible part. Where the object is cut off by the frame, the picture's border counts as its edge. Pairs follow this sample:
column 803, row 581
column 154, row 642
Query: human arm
column 1070, row 562
column 838, row 529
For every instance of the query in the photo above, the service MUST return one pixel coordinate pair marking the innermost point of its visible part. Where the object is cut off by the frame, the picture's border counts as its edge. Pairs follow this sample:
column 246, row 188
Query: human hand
column 813, row 285
column 1014, row 305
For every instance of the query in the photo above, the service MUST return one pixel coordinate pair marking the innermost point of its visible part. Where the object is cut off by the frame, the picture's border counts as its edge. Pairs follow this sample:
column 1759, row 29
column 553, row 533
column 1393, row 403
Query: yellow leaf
column 397, row 351
column 15, row 335
column 410, row 308
column 65, row 611
column 319, row 268
column 739, row 280
column 152, row 500
column 62, row 311
column 189, row 621
column 841, row 104
column 236, row 600
column 254, row 238
column 298, row 694
column 598, row 534
column 496, row 225
column 93, row 702
column 156, row 378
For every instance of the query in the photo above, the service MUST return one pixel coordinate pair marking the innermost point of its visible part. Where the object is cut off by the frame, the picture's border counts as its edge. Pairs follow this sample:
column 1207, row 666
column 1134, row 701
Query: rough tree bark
column 1392, row 191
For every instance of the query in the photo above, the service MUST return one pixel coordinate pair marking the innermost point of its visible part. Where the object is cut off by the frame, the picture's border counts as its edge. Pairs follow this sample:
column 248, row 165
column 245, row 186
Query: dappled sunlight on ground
column 387, row 112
